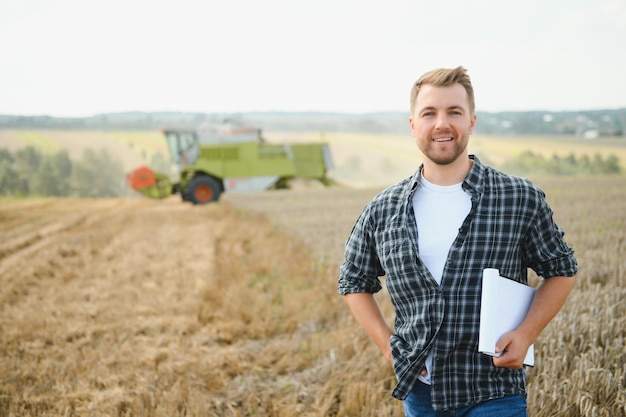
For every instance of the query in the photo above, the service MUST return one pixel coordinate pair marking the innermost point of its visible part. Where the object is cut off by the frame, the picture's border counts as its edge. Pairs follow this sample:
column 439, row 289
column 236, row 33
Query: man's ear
column 472, row 123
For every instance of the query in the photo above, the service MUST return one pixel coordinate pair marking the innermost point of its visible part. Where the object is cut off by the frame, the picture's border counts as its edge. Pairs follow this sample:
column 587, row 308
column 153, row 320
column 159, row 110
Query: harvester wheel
column 203, row 189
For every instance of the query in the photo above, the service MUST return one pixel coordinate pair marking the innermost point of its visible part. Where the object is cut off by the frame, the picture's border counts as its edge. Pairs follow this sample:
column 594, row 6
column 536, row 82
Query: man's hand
column 548, row 300
column 513, row 346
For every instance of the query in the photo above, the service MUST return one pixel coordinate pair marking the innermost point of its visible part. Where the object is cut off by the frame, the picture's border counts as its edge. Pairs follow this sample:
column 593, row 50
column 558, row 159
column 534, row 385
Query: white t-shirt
column 439, row 212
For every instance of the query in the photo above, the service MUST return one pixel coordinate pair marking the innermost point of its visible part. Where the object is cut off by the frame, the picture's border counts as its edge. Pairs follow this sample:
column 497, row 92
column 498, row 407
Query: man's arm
column 367, row 312
column 548, row 300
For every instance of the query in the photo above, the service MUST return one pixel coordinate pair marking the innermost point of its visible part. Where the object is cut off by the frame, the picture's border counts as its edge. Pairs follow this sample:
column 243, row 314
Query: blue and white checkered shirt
column 510, row 227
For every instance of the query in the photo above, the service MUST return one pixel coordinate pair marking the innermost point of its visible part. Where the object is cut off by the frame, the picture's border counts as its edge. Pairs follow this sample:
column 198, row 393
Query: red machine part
column 141, row 178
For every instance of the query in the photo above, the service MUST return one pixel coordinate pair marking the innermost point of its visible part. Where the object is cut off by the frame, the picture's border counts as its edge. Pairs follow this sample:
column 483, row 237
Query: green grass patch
column 39, row 141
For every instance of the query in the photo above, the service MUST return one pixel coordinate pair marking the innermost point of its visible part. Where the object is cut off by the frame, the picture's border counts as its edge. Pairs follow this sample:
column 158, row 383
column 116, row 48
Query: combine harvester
column 224, row 158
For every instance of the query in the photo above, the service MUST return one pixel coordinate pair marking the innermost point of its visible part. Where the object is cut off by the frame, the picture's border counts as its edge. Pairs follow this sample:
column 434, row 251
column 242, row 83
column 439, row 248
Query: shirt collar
column 474, row 179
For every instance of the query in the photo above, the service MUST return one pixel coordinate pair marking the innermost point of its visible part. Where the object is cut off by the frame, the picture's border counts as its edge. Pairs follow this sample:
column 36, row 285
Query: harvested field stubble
column 136, row 307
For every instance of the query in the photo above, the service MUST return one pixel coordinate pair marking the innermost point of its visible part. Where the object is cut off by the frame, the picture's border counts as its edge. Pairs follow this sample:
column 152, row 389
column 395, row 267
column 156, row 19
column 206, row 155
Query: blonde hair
column 444, row 77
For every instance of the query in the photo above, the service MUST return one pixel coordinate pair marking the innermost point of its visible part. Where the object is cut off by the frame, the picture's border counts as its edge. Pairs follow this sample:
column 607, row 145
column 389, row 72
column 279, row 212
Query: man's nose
column 442, row 121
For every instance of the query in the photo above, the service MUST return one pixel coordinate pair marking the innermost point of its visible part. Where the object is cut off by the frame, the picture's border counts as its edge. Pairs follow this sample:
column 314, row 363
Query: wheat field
column 136, row 307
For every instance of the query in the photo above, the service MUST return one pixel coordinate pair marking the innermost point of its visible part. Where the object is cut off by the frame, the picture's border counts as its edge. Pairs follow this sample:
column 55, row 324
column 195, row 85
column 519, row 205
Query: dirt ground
column 104, row 302
column 75, row 275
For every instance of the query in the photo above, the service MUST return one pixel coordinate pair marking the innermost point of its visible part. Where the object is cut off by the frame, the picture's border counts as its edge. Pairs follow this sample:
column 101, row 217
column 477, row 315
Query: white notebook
column 504, row 306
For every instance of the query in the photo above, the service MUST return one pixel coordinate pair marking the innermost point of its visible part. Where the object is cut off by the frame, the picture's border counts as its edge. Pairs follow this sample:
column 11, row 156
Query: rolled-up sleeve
column 548, row 253
column 361, row 268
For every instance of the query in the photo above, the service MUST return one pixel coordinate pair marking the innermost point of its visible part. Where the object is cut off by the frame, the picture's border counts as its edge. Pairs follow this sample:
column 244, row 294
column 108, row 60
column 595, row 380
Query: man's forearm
column 367, row 312
column 548, row 300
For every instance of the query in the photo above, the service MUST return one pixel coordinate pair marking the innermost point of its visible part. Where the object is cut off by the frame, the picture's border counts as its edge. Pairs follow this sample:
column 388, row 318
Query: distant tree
column 43, row 181
column 5, row 155
column 53, row 175
column 97, row 174
column 610, row 165
column 563, row 166
column 63, row 163
column 584, row 165
column 596, row 163
column 26, row 164
column 524, row 163
column 554, row 166
column 64, row 167
column 571, row 159
column 8, row 176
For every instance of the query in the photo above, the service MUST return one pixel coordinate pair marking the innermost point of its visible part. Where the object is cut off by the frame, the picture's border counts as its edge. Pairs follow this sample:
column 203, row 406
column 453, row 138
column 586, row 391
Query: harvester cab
column 183, row 146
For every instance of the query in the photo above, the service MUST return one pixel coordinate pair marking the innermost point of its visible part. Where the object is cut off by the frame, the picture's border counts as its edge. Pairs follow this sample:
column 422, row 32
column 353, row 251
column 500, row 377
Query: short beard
column 446, row 159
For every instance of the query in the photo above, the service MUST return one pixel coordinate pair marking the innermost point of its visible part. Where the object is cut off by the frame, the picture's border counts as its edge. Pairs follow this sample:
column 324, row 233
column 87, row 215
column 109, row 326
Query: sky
column 75, row 58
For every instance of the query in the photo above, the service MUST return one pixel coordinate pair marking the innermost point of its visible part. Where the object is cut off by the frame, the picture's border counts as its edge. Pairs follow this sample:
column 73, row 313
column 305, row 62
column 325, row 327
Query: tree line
column 530, row 163
column 583, row 123
column 31, row 172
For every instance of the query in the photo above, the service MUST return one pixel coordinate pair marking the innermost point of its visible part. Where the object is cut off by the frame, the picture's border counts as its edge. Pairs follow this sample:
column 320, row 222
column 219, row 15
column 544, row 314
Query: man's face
column 442, row 122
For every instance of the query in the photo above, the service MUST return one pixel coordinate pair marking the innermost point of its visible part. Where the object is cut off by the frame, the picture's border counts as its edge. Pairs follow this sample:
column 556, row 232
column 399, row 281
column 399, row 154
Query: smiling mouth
column 438, row 140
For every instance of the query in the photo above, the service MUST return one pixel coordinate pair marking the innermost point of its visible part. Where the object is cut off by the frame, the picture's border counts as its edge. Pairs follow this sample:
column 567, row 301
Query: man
column 431, row 236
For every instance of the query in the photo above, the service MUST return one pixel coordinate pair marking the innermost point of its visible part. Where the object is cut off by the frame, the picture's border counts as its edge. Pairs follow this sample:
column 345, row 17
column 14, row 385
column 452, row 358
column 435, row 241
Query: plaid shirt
column 509, row 227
